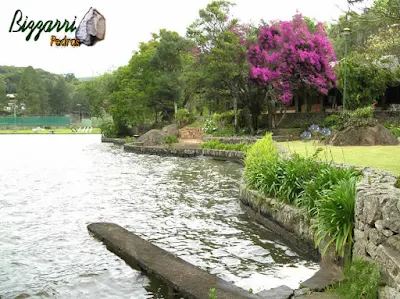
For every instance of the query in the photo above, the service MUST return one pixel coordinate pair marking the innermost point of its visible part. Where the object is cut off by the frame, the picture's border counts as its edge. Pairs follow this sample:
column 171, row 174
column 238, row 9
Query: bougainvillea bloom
column 288, row 56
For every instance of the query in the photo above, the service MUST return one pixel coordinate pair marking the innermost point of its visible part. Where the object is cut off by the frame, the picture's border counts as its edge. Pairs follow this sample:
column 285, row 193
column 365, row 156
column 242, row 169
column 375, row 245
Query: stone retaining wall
column 297, row 120
column 246, row 140
column 377, row 226
column 162, row 151
column 118, row 141
column 286, row 220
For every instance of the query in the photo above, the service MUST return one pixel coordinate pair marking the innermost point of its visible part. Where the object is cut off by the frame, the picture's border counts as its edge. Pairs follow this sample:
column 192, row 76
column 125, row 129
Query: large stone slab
column 186, row 279
column 282, row 292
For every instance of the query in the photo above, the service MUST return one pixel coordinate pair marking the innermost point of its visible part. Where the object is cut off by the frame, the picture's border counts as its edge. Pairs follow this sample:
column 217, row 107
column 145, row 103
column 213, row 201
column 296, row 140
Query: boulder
column 377, row 135
column 152, row 137
column 171, row 130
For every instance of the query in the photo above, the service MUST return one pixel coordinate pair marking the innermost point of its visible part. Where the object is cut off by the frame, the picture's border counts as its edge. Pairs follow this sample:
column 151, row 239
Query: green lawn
column 56, row 131
column 381, row 157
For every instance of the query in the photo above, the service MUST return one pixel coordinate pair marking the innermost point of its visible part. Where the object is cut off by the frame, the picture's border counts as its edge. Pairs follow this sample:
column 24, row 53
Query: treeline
column 41, row 92
column 218, row 66
column 222, row 64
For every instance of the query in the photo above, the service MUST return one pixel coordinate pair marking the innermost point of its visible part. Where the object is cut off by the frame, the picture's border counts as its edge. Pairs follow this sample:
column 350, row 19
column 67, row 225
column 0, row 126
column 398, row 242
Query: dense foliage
column 324, row 191
column 214, row 144
column 357, row 118
column 362, row 280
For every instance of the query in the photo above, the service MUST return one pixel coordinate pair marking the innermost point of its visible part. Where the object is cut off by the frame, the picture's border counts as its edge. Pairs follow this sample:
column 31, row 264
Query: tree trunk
column 175, row 106
column 235, row 107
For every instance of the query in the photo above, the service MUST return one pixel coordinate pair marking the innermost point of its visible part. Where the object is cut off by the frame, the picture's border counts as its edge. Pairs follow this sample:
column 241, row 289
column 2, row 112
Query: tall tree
column 31, row 91
column 168, row 62
column 3, row 92
column 289, row 59
column 59, row 100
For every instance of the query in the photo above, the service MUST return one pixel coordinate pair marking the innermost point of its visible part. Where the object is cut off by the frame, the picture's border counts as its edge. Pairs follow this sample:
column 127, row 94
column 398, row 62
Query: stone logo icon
column 92, row 28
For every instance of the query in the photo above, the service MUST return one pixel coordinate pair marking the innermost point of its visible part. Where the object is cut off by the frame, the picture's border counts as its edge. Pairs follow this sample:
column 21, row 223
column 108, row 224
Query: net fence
column 32, row 121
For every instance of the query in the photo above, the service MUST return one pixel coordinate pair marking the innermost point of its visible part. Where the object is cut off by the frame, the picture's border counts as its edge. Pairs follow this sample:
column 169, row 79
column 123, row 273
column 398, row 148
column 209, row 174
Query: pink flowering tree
column 288, row 60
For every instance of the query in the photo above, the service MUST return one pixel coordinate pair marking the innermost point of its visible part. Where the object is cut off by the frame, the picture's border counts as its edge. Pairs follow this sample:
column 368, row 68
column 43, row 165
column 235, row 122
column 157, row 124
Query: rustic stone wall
column 377, row 226
column 297, row 120
column 190, row 133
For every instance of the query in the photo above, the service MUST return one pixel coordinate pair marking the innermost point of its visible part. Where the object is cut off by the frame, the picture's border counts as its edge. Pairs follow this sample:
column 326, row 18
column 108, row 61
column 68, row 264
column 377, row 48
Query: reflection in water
column 53, row 186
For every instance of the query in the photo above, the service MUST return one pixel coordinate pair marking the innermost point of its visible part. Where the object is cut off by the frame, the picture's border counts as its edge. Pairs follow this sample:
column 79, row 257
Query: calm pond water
column 53, row 186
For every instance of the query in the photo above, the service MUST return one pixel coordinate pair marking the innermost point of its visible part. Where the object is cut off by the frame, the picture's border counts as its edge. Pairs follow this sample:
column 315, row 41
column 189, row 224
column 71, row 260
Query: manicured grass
column 47, row 131
column 381, row 157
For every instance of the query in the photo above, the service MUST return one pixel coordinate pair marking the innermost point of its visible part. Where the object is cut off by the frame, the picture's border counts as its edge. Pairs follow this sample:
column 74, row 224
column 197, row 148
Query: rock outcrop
column 171, row 130
column 377, row 135
column 152, row 137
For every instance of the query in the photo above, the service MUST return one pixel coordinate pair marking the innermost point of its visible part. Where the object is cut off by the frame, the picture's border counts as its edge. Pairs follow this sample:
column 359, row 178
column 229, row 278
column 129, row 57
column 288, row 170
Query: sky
column 128, row 22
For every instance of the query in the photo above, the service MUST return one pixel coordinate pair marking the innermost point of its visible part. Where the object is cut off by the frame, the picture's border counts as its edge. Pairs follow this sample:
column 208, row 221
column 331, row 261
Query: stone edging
column 287, row 220
column 181, row 277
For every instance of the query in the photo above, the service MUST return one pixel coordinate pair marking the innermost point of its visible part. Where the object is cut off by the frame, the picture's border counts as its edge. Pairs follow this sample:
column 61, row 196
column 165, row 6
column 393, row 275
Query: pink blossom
column 287, row 55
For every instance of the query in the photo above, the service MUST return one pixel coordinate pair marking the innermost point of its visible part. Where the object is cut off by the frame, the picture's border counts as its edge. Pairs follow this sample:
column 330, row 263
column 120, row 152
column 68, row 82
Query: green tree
column 59, row 98
column 367, row 79
column 3, row 92
column 31, row 92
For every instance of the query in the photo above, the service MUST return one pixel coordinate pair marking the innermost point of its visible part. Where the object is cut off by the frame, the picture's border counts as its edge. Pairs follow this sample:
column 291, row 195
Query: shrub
column 397, row 184
column 171, row 139
column 224, row 119
column 182, row 116
column 209, row 127
column 215, row 144
column 47, row 127
column 261, row 161
column 361, row 280
column 394, row 128
column 357, row 118
column 128, row 139
column 108, row 129
column 335, row 216
column 213, row 294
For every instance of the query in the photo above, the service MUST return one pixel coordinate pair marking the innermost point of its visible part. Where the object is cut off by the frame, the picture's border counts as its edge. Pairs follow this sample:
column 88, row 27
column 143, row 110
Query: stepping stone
column 328, row 275
column 282, row 292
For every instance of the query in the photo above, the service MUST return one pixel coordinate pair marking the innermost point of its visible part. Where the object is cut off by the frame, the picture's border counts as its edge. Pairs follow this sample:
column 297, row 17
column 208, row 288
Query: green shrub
column 128, row 139
column 361, row 280
column 182, row 116
column 209, row 127
column 215, row 144
column 325, row 192
column 224, row 119
column 261, row 160
column 394, row 128
column 397, row 184
column 171, row 139
column 357, row 118
column 334, row 220
column 213, row 294
column 108, row 129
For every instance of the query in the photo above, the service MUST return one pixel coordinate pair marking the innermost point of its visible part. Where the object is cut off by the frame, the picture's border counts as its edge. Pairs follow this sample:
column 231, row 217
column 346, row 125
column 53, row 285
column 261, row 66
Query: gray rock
column 394, row 242
column 282, row 292
column 391, row 215
column 301, row 292
column 388, row 293
column 152, row 137
column 376, row 237
column 171, row 130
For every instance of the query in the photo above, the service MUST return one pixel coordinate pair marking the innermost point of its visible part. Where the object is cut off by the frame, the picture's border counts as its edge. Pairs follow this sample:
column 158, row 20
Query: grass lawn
column 381, row 157
column 56, row 131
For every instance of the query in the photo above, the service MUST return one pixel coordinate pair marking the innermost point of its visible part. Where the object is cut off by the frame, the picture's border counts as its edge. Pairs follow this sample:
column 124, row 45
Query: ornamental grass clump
column 261, row 163
column 325, row 192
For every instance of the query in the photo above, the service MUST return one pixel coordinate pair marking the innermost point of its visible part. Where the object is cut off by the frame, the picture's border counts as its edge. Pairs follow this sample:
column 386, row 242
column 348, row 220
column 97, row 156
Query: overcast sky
column 128, row 23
